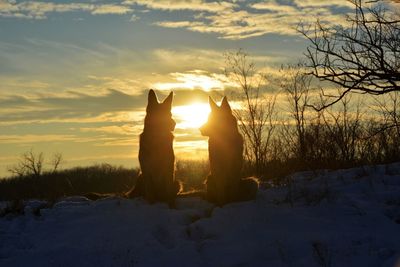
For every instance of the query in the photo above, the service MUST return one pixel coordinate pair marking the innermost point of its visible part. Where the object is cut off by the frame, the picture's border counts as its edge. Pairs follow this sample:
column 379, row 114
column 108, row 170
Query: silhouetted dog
column 156, row 155
column 225, row 147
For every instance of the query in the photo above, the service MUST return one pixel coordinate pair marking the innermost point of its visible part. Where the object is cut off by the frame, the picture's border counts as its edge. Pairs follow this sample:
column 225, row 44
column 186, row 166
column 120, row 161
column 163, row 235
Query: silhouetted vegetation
column 354, row 131
column 51, row 185
column 360, row 55
column 346, row 135
column 98, row 179
column 33, row 164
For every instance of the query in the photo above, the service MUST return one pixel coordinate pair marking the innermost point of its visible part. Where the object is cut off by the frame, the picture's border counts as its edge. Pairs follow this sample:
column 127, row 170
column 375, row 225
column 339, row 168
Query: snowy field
column 341, row 218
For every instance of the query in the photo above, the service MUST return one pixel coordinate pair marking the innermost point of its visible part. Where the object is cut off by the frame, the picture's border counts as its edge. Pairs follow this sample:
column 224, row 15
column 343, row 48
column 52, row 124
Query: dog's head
column 220, row 121
column 158, row 115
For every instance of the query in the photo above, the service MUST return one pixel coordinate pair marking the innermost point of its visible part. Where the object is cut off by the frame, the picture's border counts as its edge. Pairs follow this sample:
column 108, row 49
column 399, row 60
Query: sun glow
column 195, row 80
column 191, row 116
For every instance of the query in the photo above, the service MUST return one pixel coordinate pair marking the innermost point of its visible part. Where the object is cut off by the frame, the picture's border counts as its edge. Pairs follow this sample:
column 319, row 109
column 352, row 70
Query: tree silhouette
column 360, row 55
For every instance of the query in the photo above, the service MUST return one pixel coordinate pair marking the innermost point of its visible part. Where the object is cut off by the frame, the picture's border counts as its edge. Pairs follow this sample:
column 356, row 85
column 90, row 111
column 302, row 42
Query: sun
column 191, row 116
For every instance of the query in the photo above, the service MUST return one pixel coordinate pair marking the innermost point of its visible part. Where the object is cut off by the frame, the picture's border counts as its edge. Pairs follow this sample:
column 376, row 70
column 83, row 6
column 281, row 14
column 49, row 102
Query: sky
column 74, row 75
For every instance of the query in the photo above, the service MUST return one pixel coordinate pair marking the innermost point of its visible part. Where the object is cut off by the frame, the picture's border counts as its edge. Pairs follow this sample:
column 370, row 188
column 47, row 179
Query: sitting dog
column 156, row 155
column 225, row 147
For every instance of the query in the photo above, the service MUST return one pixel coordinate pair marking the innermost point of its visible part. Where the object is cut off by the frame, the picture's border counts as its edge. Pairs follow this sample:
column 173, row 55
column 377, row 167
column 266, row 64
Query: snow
column 340, row 218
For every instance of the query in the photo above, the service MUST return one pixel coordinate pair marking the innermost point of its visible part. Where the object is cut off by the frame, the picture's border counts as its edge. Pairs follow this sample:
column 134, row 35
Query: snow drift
column 341, row 218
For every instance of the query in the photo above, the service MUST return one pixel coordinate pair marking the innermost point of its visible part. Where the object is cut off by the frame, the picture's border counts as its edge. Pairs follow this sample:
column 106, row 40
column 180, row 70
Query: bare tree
column 32, row 163
column 257, row 112
column 56, row 161
column 388, row 128
column 297, row 86
column 361, row 55
column 389, row 108
column 344, row 129
column 29, row 164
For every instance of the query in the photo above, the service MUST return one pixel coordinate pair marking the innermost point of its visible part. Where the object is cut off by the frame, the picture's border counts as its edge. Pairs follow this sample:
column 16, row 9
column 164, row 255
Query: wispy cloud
column 229, row 19
column 316, row 3
column 111, row 106
column 125, row 129
column 32, row 138
column 110, row 9
column 182, row 59
column 126, row 85
column 255, row 19
column 193, row 5
column 196, row 79
column 67, row 106
column 40, row 10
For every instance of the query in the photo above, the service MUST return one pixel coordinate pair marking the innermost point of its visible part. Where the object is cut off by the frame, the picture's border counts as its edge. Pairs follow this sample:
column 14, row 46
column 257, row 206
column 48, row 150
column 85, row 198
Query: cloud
column 106, row 157
column 256, row 19
column 246, row 19
column 32, row 138
column 230, row 19
column 193, row 5
column 196, row 79
column 109, row 106
column 273, row 6
column 126, row 129
column 183, row 59
column 39, row 10
column 191, row 149
column 110, row 9
column 125, row 85
column 66, row 106
column 316, row 3
column 46, row 65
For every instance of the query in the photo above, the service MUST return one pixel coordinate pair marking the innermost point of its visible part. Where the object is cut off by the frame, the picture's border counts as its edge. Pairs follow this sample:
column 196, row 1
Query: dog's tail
column 248, row 188
column 137, row 190
column 192, row 193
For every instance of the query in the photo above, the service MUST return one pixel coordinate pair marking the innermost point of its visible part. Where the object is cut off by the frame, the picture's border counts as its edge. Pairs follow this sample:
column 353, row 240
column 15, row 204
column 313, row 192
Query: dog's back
column 156, row 154
column 225, row 147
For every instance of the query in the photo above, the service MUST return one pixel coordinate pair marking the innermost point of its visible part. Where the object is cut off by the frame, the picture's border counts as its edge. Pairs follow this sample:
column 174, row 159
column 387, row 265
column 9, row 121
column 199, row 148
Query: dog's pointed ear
column 152, row 99
column 168, row 101
column 213, row 105
column 225, row 105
